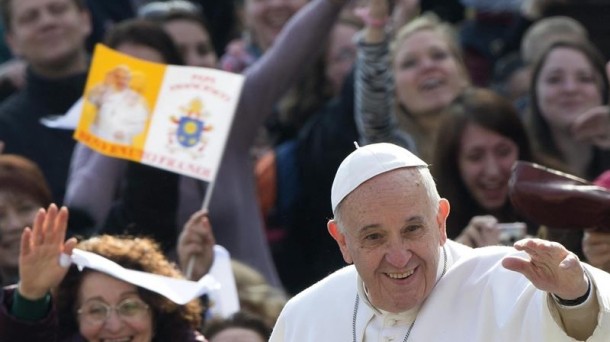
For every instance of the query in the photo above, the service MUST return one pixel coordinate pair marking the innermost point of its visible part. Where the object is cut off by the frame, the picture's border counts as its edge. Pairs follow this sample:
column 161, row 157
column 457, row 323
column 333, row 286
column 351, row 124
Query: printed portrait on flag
column 122, row 111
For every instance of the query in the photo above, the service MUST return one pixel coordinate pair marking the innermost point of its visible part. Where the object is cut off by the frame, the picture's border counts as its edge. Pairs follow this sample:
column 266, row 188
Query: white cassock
column 477, row 300
column 121, row 116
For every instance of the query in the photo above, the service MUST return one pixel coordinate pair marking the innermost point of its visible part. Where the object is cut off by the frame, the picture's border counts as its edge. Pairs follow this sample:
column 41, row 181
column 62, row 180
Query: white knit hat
column 367, row 162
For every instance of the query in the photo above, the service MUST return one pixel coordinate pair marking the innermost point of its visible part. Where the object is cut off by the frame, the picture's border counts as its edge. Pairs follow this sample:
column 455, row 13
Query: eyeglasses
column 97, row 312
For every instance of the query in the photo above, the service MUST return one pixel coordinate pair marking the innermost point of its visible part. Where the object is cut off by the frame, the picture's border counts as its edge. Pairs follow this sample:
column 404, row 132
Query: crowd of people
column 440, row 99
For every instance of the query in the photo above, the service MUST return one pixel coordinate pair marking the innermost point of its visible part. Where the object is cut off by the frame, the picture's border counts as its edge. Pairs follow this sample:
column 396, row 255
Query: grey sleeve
column 374, row 107
column 93, row 182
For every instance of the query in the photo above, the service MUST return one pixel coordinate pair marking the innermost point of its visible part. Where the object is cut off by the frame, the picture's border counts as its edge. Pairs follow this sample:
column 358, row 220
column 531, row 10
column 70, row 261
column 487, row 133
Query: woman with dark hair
column 478, row 140
column 57, row 303
column 569, row 118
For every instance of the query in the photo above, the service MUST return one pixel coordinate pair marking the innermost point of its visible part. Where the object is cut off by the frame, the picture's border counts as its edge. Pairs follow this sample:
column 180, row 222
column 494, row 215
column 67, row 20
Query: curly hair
column 142, row 254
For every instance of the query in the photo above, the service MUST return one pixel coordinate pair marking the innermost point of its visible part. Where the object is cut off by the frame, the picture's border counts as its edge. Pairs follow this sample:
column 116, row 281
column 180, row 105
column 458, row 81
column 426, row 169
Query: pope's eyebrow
column 417, row 219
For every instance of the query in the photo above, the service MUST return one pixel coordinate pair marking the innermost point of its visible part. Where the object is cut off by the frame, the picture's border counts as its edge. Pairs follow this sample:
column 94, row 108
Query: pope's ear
column 441, row 218
column 335, row 232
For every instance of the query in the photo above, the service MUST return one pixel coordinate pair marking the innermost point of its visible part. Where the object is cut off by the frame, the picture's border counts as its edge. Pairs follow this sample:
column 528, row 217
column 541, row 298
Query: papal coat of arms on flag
column 188, row 134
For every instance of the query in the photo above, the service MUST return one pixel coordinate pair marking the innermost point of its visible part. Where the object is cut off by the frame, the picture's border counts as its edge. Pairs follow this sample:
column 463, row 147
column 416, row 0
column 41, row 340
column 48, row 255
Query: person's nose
column 398, row 254
column 427, row 63
column 491, row 166
column 570, row 84
column 113, row 323
column 47, row 18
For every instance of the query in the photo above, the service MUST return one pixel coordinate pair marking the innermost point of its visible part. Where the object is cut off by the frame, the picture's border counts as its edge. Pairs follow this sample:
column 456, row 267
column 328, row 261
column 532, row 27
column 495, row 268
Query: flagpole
column 206, row 202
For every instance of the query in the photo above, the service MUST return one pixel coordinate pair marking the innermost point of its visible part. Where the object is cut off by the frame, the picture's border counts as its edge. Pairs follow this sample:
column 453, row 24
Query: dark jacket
column 23, row 134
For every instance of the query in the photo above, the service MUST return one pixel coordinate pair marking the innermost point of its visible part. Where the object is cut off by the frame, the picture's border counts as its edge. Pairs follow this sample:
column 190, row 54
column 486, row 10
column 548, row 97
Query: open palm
column 41, row 247
column 551, row 268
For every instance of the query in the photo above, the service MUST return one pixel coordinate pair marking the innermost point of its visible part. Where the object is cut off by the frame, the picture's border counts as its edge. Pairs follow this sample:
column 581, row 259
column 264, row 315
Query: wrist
column 371, row 21
column 30, row 310
column 31, row 294
column 576, row 301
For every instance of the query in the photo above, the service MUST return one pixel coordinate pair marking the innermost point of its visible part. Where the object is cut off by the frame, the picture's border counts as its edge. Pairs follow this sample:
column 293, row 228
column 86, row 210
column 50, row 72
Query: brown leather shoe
column 558, row 200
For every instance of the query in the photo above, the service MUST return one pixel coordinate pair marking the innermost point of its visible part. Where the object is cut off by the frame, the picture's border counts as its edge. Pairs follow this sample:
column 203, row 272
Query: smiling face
column 566, row 87
column 392, row 235
column 98, row 287
column 266, row 18
column 49, row 34
column 485, row 159
column 428, row 75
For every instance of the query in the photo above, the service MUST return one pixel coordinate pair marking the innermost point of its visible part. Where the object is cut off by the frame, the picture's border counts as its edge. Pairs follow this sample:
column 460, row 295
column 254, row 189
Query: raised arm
column 196, row 246
column 297, row 46
column 41, row 247
column 554, row 269
column 374, row 85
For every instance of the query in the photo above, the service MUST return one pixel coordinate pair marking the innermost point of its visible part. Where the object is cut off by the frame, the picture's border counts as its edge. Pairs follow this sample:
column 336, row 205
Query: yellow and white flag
column 172, row 117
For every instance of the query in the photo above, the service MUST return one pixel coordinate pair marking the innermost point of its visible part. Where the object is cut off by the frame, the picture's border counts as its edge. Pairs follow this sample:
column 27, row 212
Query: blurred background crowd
column 470, row 86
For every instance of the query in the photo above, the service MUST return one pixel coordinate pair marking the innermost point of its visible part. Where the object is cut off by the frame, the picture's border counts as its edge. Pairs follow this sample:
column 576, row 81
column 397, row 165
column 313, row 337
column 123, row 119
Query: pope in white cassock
column 409, row 283
column 122, row 111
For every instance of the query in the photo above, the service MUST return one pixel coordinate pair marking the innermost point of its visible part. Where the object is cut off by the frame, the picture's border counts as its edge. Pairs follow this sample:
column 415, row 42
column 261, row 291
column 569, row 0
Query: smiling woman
column 569, row 117
column 479, row 138
column 403, row 103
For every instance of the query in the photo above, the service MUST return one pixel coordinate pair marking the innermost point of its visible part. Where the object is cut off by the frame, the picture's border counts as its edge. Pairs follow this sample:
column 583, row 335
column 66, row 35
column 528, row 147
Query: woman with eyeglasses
column 55, row 303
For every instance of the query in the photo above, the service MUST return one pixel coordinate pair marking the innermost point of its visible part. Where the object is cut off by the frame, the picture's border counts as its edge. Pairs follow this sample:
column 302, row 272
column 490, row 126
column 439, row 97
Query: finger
column 475, row 235
column 26, row 242
column 49, row 222
column 37, row 228
column 60, row 226
column 69, row 245
column 538, row 249
column 197, row 215
column 531, row 244
column 569, row 262
column 516, row 264
column 193, row 249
